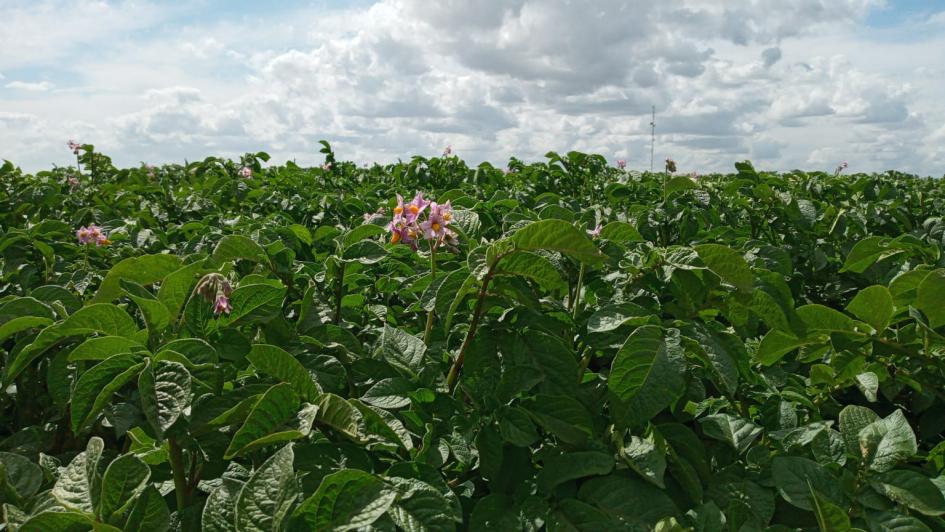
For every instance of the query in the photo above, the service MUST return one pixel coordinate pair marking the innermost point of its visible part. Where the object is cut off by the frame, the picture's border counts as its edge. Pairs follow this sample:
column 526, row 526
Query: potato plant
column 425, row 346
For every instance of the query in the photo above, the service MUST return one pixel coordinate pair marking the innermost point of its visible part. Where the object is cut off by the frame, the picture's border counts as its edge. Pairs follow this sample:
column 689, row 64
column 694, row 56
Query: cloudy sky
column 785, row 83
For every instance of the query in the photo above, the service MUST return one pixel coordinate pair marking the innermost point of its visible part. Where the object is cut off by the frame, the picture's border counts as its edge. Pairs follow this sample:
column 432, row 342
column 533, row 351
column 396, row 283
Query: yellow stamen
column 398, row 210
column 414, row 209
column 395, row 238
column 447, row 216
column 435, row 226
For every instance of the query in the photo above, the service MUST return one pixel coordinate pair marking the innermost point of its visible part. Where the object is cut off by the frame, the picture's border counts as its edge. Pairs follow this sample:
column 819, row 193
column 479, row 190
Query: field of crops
column 563, row 345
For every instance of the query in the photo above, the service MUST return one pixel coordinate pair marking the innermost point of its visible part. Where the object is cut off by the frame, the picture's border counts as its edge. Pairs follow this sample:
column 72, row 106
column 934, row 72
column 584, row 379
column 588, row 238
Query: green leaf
column 177, row 287
column 677, row 184
column 621, row 232
column 516, row 427
column 911, row 489
column 96, row 386
column 570, row 466
column 929, row 296
column 562, row 415
column 57, row 521
column 365, row 252
column 645, row 458
column 362, row 232
column 219, row 512
column 104, row 347
column 629, row 498
column 795, row 477
column 144, row 270
column 339, row 415
column 830, row 517
column 737, row 432
column 103, row 318
column 149, row 512
column 279, row 364
column 254, row 302
column 346, row 500
column 556, row 235
column 886, row 442
column 420, row 507
column 441, row 293
column 533, row 267
column 125, row 479
column 867, row 252
column 401, row 350
column 390, row 393
column 20, row 324
column 268, row 495
column 821, row 318
column 648, row 373
column 236, row 247
column 23, row 476
column 76, row 487
column 853, row 419
column 874, row 305
column 276, row 407
column 728, row 264
column 776, row 344
column 165, row 389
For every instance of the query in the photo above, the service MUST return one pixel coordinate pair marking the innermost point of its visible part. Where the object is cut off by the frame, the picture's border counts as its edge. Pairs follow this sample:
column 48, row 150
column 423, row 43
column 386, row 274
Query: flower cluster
column 216, row 289
column 75, row 146
column 326, row 167
column 448, row 151
column 622, row 164
column 408, row 224
column 595, row 232
column 92, row 234
column 246, row 172
column 670, row 166
column 841, row 168
column 73, row 181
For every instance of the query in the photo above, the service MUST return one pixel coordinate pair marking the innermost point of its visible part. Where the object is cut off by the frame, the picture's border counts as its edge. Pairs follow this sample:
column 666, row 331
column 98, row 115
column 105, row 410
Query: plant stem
column 453, row 375
column 575, row 304
column 177, row 467
column 339, row 293
column 429, row 328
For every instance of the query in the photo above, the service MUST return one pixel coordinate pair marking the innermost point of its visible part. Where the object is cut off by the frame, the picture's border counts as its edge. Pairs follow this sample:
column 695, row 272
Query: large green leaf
column 275, row 408
column 874, row 305
column 534, row 267
column 149, row 512
column 22, row 475
column 648, row 373
column 165, row 389
column 556, row 235
column 630, row 498
column 736, row 431
column 96, row 386
column 219, row 512
column 235, row 247
column 78, row 484
column 795, row 477
column 278, row 363
column 929, row 297
column 886, row 442
column 570, row 466
column 125, row 479
column 144, row 270
column 401, row 349
column 103, row 318
column 265, row 499
column 911, row 489
column 346, row 500
column 254, row 302
column 853, row 418
column 728, row 264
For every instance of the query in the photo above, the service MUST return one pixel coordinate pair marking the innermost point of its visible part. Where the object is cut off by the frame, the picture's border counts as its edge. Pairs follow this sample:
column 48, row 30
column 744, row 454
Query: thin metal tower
column 652, row 137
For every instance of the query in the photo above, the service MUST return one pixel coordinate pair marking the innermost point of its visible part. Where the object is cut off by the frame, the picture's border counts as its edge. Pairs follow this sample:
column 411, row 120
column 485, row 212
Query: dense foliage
column 561, row 345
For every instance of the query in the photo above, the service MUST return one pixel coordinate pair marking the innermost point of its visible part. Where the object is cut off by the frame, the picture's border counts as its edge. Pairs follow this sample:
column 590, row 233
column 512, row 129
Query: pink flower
column 222, row 305
column 621, row 163
column 73, row 181
column 435, row 226
column 694, row 175
column 246, row 171
column 74, row 146
column 841, row 168
column 326, row 167
column 448, row 151
column 595, row 233
column 92, row 234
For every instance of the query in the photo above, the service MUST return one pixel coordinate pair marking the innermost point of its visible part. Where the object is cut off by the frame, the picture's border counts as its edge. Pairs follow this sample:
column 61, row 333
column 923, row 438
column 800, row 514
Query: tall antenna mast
column 652, row 137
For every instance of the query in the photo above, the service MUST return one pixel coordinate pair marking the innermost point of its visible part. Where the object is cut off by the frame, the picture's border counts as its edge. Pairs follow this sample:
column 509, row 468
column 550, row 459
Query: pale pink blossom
column 595, row 233
column 222, row 305
column 621, row 163
column 246, row 171
column 74, row 146
column 448, row 151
